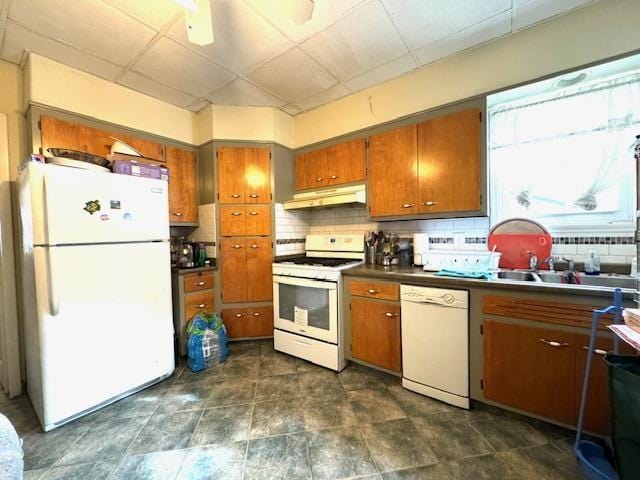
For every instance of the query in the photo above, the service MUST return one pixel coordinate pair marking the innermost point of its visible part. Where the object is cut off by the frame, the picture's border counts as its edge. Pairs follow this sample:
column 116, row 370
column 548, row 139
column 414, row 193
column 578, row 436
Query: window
column 563, row 157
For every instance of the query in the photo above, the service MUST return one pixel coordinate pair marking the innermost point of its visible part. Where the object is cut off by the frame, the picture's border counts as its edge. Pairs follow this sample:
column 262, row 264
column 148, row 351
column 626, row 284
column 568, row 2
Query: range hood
column 328, row 197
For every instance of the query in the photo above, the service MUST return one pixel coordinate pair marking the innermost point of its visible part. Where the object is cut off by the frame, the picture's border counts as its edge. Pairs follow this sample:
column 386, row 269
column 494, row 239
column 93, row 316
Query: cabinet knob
column 257, row 314
column 407, row 205
column 202, row 305
column 253, row 213
column 199, row 284
column 372, row 291
column 254, row 195
column 235, row 195
column 333, row 177
column 430, row 203
column 553, row 343
column 178, row 214
column 390, row 314
column 238, row 315
column 236, row 214
column 237, row 246
column 597, row 351
column 319, row 179
column 255, row 246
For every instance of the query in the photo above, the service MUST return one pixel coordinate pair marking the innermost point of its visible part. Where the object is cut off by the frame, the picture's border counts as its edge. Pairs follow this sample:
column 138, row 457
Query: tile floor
column 265, row 415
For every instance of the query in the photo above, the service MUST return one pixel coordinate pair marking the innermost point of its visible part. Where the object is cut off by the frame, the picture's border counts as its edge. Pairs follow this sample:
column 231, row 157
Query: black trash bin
column 624, row 394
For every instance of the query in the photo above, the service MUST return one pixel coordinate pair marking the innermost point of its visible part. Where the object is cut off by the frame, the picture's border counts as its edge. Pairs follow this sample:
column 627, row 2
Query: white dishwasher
column 435, row 343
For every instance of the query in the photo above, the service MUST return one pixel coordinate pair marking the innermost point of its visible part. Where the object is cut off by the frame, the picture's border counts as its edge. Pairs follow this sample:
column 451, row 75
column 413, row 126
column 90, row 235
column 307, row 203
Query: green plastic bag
column 624, row 393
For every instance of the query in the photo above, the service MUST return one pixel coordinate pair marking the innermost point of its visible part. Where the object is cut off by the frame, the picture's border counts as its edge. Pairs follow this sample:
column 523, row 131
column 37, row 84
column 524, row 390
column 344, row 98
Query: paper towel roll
column 420, row 242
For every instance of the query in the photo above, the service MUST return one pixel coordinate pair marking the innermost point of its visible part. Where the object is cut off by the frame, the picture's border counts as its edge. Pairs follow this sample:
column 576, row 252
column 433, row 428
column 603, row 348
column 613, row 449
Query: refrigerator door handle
column 45, row 200
column 54, row 304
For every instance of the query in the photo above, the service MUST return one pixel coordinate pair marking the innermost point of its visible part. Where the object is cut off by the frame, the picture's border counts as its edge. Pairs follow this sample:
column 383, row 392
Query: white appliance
column 420, row 247
column 435, row 343
column 307, row 291
column 473, row 260
column 328, row 198
column 97, row 288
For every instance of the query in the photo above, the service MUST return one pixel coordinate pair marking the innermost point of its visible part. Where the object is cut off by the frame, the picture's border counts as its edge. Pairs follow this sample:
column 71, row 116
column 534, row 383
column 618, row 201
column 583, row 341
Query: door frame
column 10, row 379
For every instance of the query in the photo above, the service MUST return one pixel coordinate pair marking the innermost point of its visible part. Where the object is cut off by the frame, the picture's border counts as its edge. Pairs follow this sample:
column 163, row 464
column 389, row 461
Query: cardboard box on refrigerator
column 138, row 166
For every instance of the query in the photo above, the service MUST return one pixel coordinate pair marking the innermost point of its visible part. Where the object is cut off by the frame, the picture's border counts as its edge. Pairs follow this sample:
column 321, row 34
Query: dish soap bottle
column 592, row 263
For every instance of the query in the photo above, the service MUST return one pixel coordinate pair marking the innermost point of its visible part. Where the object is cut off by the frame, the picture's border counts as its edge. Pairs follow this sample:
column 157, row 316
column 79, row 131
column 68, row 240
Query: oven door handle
column 304, row 282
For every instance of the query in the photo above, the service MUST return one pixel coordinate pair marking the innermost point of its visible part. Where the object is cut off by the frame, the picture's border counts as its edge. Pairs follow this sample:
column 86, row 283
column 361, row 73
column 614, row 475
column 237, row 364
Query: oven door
column 307, row 307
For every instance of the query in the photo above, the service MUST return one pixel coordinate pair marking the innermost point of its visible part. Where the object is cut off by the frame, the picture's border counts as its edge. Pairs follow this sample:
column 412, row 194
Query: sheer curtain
column 564, row 158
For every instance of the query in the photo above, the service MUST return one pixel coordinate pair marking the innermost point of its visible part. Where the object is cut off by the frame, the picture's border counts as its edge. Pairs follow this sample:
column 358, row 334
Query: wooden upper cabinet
column 334, row 165
column 393, row 170
column 183, row 200
column 245, row 220
column 375, row 333
column 244, row 175
column 449, row 163
column 58, row 133
column 259, row 280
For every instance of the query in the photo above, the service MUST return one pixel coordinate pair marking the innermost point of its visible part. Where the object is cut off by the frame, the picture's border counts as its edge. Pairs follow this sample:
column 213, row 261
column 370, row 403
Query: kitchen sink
column 519, row 276
column 604, row 280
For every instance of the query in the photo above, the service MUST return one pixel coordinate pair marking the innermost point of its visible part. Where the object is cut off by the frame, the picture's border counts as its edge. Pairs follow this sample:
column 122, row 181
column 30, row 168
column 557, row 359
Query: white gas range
column 307, row 292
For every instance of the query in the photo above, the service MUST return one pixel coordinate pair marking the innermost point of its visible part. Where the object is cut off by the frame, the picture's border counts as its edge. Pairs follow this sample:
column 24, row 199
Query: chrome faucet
column 534, row 265
column 551, row 261
column 533, row 261
column 572, row 264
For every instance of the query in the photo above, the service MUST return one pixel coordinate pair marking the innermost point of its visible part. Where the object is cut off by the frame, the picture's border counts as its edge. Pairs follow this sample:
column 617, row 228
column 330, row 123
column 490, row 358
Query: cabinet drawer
column 198, row 281
column 232, row 220
column 258, row 220
column 195, row 302
column 383, row 291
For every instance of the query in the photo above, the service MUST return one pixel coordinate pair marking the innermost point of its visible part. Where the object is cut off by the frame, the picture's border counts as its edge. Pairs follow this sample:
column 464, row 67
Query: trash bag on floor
column 624, row 393
column 206, row 341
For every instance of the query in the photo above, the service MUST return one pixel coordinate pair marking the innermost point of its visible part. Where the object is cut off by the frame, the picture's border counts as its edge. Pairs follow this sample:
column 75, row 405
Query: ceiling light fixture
column 301, row 10
column 198, row 21
column 571, row 79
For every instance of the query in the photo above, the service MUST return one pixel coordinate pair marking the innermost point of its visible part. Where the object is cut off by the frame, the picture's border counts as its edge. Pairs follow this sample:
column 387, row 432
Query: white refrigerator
column 96, row 288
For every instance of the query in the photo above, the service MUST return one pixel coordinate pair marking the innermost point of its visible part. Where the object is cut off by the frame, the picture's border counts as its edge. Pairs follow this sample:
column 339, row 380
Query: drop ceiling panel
column 18, row 39
column 153, row 13
column 333, row 93
column 89, row 25
column 196, row 107
column 362, row 40
column 424, row 21
column 389, row 70
column 292, row 76
column 155, row 89
column 291, row 109
column 325, row 13
column 243, row 39
column 174, row 65
column 527, row 13
column 241, row 92
column 480, row 33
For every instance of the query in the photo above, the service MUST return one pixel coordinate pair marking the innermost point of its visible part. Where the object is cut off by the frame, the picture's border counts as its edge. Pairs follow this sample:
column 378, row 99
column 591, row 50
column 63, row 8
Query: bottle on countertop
column 592, row 263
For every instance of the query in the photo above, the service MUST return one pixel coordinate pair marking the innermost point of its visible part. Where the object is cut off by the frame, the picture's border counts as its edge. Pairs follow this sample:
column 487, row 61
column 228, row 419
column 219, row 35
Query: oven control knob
column 448, row 298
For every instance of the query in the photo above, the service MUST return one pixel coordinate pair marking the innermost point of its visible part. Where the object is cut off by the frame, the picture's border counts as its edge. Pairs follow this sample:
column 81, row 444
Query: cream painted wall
column 11, row 105
column 56, row 85
column 596, row 32
column 245, row 123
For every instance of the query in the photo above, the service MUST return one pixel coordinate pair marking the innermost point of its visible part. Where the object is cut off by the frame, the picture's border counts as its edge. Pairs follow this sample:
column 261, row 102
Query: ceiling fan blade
column 200, row 23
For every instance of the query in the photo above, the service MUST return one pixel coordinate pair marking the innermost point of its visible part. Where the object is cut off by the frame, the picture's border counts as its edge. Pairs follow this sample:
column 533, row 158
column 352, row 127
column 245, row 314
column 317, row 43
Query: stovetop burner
column 320, row 261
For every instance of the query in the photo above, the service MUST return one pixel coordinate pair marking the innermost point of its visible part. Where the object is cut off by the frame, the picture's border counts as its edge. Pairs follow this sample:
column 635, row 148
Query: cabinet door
column 530, row 368
column 345, row 162
column 233, row 269
column 232, row 220
column 393, row 170
column 235, row 320
column 449, row 163
column 183, row 201
column 260, row 321
column 197, row 302
column 258, row 220
column 257, row 173
column 231, row 172
column 310, row 170
column 259, row 279
column 375, row 333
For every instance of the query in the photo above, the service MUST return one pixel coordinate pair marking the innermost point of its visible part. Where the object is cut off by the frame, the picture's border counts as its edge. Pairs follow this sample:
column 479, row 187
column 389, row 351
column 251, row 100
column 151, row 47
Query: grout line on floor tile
column 246, row 451
column 493, row 449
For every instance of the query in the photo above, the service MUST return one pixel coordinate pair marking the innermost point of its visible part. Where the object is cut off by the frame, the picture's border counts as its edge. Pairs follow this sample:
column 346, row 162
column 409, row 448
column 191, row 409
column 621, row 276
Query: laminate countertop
column 416, row 276
column 182, row 271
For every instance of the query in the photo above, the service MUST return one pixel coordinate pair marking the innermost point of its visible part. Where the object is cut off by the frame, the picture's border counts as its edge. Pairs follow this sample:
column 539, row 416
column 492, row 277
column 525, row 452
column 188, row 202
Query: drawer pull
column 373, row 292
column 553, row 343
column 255, row 246
column 178, row 214
column 319, row 179
column 407, row 205
column 254, row 195
column 333, row 177
column 199, row 284
column 253, row 213
column 430, row 203
column 239, row 315
column 235, row 195
column 257, row 314
column 302, row 343
column 236, row 214
column 237, row 246
column 390, row 314
column 202, row 305
column 597, row 351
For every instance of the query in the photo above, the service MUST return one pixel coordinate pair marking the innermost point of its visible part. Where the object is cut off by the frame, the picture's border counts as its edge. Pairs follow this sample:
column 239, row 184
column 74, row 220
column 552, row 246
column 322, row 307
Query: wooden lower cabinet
column 245, row 269
column 531, row 369
column 259, row 280
column 248, row 321
column 197, row 302
column 375, row 333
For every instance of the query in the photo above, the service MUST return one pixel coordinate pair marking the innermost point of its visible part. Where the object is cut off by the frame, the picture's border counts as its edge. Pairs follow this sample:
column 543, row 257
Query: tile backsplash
column 457, row 233
column 206, row 231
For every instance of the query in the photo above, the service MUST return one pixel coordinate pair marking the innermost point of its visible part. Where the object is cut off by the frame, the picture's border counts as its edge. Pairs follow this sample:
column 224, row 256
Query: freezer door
column 81, row 206
column 104, row 324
